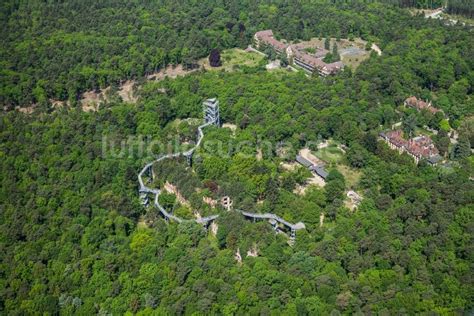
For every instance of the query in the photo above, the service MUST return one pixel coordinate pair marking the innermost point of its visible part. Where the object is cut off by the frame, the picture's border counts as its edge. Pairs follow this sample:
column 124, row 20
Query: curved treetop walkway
column 211, row 117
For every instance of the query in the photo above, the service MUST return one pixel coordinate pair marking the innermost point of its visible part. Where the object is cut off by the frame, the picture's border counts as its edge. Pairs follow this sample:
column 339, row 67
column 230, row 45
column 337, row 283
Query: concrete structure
column 211, row 116
column 274, row 221
column 226, row 202
column 144, row 199
column 354, row 197
column 211, row 111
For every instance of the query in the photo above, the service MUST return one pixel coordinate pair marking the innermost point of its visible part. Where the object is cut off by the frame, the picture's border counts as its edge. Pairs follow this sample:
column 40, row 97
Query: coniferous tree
column 463, row 147
column 215, row 58
column 409, row 125
column 283, row 60
column 327, row 43
column 335, row 53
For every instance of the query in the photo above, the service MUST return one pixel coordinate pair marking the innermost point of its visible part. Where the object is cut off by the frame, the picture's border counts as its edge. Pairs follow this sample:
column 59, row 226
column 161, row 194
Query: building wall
column 401, row 150
column 260, row 44
column 304, row 65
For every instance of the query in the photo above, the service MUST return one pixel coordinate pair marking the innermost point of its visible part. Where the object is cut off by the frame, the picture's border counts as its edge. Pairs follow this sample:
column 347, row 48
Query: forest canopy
column 75, row 239
column 57, row 50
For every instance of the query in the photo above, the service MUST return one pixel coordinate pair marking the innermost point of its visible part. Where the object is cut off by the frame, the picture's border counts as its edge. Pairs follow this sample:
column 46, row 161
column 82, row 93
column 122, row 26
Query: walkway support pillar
column 189, row 159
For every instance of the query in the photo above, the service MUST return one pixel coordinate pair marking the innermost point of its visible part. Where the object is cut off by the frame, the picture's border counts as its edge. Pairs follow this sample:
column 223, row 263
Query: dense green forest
column 74, row 238
column 56, row 50
column 69, row 224
column 462, row 7
column 421, row 4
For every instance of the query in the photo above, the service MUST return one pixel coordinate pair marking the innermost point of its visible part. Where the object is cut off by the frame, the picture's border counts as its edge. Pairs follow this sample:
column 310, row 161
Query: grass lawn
column 330, row 154
column 422, row 131
column 354, row 61
column 234, row 57
column 352, row 176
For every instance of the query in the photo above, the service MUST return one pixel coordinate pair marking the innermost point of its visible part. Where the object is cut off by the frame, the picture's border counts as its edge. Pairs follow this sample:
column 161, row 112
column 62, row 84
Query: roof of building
column 420, row 146
column 435, row 159
column 420, row 104
column 267, row 37
column 320, row 171
column 315, row 62
column 264, row 33
column 305, row 162
column 396, row 138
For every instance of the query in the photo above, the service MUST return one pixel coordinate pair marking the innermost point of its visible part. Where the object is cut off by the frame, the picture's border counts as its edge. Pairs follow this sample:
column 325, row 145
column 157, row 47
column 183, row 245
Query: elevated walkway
column 212, row 119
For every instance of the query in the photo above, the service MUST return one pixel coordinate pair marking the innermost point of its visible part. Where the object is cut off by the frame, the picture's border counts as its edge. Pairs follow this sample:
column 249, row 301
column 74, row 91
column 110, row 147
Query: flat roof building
column 319, row 170
column 303, row 161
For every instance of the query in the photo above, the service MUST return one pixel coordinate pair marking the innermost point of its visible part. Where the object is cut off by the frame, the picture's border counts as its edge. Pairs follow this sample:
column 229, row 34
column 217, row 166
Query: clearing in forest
column 126, row 92
column 351, row 175
column 171, row 71
column 234, row 58
column 331, row 154
column 352, row 52
column 91, row 100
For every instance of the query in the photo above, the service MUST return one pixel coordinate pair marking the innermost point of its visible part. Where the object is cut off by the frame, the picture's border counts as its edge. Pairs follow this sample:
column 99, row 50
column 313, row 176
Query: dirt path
column 314, row 180
column 171, row 72
column 376, row 49
column 290, row 166
column 306, row 153
column 230, row 126
column 251, row 49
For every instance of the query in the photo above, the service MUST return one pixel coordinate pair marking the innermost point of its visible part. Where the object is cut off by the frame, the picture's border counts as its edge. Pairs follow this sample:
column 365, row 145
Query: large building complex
column 266, row 38
column 420, row 147
column 296, row 53
column 311, row 63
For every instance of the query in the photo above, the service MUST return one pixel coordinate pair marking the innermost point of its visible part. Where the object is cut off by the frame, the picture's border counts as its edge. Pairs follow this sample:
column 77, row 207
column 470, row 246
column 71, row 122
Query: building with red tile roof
column 266, row 38
column 297, row 53
column 420, row 147
column 420, row 105
column 311, row 63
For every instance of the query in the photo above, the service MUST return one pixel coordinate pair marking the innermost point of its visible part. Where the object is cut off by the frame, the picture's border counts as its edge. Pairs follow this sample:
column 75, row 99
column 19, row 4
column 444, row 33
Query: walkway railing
column 145, row 189
column 204, row 220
